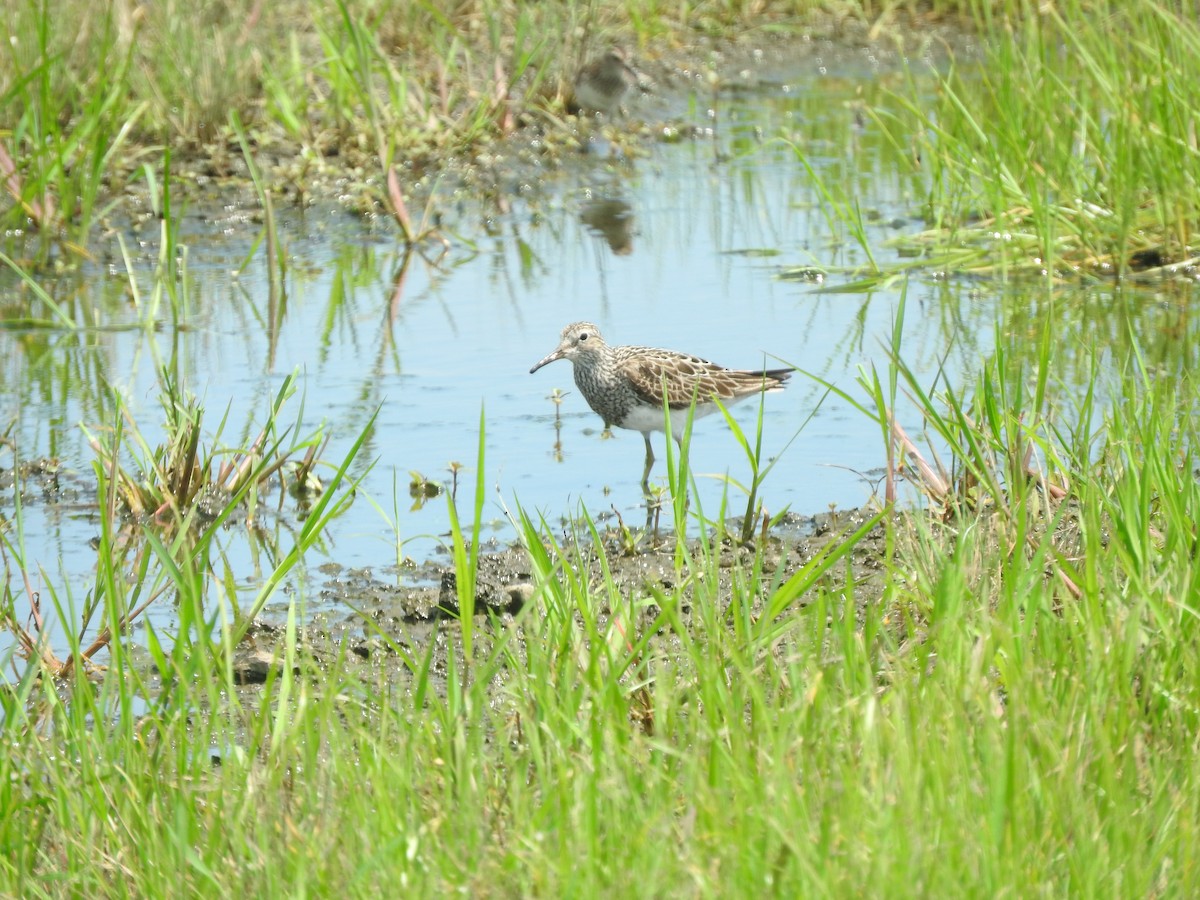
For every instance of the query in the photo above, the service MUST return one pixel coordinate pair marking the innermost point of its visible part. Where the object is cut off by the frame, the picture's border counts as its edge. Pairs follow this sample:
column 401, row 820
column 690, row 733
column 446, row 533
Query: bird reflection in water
column 611, row 220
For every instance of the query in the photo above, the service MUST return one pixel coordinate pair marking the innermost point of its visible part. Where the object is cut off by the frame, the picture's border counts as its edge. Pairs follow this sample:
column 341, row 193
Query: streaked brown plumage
column 625, row 386
column 602, row 84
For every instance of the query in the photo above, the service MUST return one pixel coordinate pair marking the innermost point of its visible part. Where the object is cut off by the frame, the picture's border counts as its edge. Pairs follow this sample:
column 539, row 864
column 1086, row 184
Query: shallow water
column 678, row 245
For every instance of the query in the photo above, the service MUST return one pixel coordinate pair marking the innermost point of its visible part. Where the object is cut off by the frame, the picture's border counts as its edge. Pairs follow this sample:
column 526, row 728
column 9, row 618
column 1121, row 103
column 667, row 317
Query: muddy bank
column 373, row 619
column 337, row 171
column 377, row 623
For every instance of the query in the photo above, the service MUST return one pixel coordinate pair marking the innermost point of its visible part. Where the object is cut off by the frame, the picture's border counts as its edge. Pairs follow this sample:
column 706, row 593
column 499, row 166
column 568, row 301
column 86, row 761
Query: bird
column 626, row 385
column 602, row 84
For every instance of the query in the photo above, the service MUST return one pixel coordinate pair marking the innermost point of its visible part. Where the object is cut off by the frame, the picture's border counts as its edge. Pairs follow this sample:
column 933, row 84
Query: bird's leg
column 649, row 462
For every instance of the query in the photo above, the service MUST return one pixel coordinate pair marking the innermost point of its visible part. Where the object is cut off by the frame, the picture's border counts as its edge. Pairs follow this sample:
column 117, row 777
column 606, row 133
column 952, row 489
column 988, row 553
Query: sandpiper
column 625, row 386
column 602, row 84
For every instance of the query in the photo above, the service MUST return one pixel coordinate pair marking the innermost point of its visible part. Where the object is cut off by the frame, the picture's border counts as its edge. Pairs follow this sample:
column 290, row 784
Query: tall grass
column 1070, row 153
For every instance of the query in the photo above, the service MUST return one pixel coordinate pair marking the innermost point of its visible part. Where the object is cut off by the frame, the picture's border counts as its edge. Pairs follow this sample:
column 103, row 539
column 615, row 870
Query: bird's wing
column 687, row 378
column 684, row 378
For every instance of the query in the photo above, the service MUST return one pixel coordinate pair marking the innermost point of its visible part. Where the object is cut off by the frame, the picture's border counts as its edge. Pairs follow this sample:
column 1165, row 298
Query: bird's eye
column 583, row 337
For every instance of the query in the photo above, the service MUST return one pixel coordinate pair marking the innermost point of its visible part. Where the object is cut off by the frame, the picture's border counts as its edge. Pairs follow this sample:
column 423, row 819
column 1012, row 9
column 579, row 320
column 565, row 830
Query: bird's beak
column 557, row 354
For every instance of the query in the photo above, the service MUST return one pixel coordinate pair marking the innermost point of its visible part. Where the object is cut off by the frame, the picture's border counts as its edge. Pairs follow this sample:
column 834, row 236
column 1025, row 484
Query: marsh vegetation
column 986, row 681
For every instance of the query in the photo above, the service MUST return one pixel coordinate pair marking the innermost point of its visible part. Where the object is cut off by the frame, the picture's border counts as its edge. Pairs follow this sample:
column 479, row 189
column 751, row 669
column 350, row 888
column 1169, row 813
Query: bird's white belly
column 650, row 418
